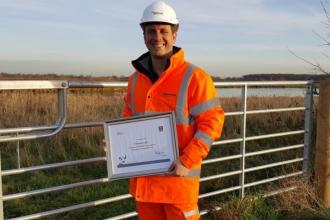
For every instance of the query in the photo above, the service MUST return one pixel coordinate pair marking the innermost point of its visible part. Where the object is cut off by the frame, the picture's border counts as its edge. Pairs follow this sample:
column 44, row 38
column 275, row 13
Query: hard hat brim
column 160, row 21
column 157, row 22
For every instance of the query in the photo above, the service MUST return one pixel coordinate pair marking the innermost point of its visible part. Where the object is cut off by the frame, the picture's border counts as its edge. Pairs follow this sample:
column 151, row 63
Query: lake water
column 267, row 92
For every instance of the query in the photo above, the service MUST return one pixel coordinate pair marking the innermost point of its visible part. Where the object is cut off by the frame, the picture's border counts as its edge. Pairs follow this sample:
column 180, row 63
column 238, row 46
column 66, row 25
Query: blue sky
column 101, row 37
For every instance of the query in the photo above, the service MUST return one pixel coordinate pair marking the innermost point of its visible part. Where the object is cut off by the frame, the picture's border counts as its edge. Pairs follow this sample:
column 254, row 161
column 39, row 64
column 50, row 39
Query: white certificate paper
column 141, row 146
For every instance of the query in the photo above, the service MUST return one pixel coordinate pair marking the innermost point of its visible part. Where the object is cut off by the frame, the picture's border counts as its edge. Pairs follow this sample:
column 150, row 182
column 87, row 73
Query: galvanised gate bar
column 61, row 87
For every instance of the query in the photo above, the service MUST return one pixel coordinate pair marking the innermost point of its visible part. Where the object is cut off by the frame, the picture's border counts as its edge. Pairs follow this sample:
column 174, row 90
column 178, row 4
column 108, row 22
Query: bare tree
column 325, row 39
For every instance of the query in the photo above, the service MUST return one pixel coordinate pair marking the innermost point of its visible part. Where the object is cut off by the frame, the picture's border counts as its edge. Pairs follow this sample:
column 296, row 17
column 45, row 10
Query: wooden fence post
column 322, row 154
column 1, row 193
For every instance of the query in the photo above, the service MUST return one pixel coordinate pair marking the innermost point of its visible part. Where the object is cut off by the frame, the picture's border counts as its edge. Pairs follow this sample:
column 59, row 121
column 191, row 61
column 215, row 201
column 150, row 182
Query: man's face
column 159, row 39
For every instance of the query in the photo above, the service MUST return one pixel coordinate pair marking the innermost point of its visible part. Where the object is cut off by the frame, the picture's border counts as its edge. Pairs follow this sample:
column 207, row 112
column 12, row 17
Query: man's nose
column 158, row 36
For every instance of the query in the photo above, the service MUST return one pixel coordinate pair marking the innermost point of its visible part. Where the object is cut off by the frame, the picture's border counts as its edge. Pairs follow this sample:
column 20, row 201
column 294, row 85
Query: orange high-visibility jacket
column 190, row 93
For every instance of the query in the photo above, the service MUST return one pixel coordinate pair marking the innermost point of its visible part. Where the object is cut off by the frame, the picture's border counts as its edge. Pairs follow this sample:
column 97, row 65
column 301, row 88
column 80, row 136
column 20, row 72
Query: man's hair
column 174, row 27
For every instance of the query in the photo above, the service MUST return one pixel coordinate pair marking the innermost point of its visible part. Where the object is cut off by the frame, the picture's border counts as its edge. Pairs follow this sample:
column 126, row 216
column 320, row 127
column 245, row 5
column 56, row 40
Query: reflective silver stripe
column 129, row 105
column 185, row 119
column 194, row 173
column 132, row 99
column 205, row 138
column 150, row 112
column 138, row 113
column 180, row 119
column 202, row 107
column 190, row 213
column 180, row 103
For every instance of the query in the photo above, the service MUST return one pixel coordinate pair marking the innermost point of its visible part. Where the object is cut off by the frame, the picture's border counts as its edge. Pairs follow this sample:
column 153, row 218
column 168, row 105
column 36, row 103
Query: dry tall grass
column 299, row 203
column 38, row 107
column 302, row 199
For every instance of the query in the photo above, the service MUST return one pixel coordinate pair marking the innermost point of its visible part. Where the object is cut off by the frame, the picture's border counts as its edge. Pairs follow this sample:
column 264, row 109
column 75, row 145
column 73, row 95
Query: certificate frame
column 132, row 148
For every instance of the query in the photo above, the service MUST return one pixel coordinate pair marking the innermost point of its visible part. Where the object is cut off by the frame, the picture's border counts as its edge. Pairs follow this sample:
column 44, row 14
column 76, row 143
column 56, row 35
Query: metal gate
column 19, row 134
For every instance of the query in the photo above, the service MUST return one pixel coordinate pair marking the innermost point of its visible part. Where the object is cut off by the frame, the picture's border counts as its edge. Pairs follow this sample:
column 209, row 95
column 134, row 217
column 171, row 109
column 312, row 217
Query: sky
column 227, row 38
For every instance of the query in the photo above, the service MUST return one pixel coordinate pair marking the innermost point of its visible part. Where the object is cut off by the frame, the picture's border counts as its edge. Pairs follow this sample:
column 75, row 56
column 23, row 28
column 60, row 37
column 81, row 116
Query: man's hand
column 178, row 169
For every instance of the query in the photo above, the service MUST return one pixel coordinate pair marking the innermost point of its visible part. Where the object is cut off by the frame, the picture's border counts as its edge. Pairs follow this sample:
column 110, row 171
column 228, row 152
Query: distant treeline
column 275, row 77
column 53, row 76
column 248, row 77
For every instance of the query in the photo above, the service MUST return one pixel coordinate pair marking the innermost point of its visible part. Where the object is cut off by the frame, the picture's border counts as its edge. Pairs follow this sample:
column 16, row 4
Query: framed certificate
column 140, row 146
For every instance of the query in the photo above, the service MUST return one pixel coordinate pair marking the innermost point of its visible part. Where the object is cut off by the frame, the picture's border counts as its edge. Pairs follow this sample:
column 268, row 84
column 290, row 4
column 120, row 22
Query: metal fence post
column 308, row 129
column 243, row 135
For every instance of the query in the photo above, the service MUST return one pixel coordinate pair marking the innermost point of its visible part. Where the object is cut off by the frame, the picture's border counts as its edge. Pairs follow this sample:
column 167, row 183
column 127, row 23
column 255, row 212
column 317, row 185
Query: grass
column 299, row 204
column 33, row 108
column 248, row 208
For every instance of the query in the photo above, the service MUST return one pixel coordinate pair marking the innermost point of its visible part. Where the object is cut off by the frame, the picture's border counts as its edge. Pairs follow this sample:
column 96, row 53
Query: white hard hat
column 159, row 11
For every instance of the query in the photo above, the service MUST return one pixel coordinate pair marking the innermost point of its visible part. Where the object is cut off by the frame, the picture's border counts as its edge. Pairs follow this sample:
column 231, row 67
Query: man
column 164, row 81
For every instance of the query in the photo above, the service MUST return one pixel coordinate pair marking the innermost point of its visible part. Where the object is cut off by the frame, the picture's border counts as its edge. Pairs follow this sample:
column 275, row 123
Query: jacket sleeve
column 204, row 107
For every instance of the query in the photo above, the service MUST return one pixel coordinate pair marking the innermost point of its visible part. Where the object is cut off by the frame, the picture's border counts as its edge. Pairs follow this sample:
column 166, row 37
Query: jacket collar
column 143, row 63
